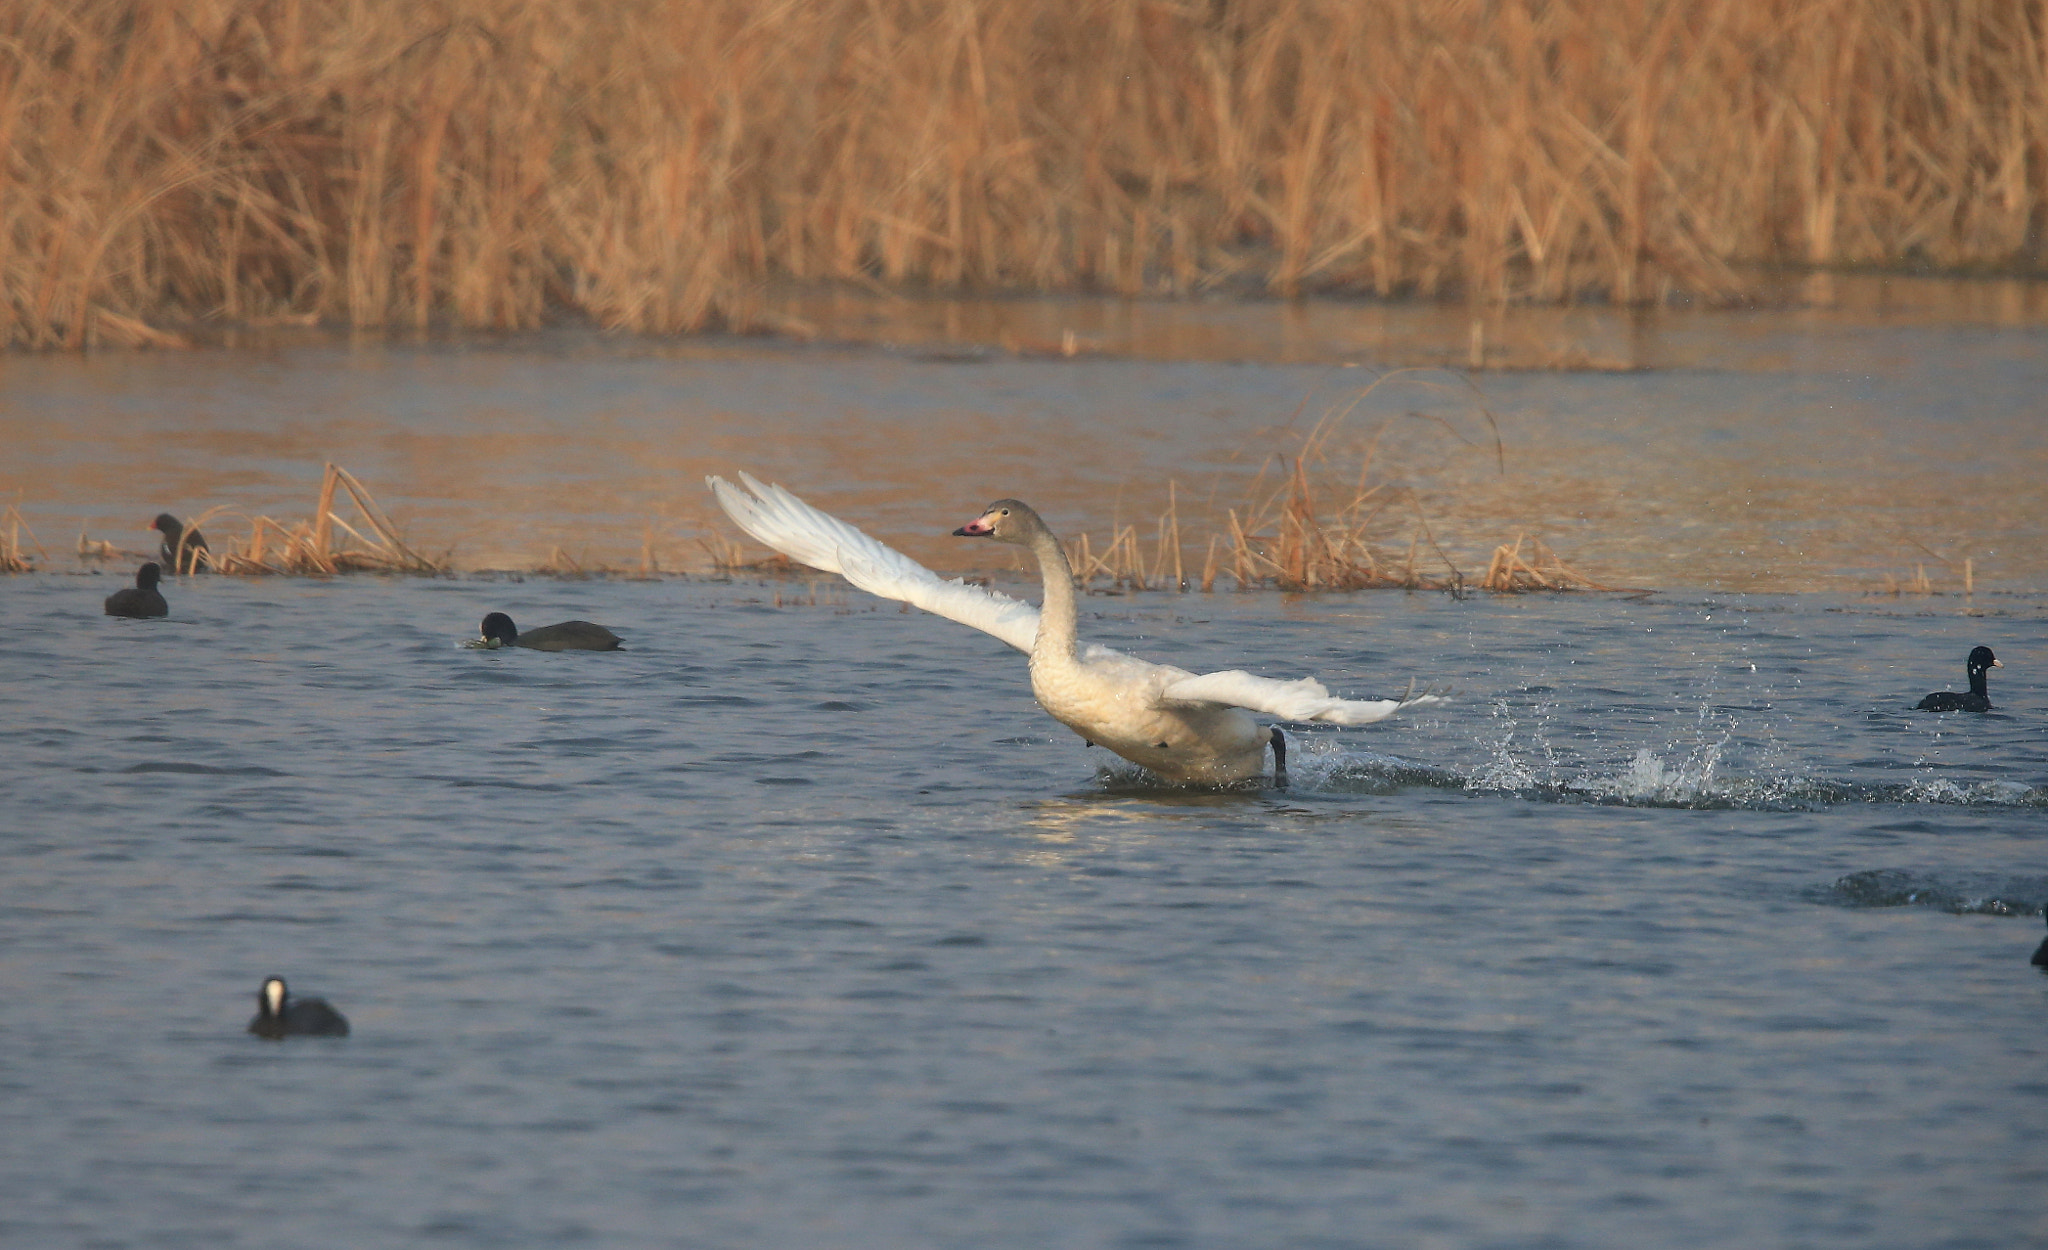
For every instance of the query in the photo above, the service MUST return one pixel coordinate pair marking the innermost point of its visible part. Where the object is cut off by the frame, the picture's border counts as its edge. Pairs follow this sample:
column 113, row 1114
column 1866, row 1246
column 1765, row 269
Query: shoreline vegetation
column 177, row 166
column 1322, row 515
column 1276, row 541
column 1307, row 521
column 1300, row 528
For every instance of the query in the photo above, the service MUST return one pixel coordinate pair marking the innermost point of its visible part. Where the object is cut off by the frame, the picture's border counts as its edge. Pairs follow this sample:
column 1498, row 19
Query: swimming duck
column 141, row 599
column 1184, row 727
column 498, row 631
column 279, row 1015
column 1977, row 700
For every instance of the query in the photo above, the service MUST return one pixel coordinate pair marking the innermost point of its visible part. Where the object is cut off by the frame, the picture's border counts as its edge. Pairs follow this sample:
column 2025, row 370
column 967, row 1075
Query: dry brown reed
column 1917, row 584
column 14, row 557
column 1510, row 572
column 728, row 557
column 371, row 544
column 648, row 165
column 1304, row 526
column 1285, row 545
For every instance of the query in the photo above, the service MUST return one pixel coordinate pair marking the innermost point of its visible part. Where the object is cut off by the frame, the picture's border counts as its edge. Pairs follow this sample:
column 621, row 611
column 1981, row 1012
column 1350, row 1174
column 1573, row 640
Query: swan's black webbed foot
column 1279, row 755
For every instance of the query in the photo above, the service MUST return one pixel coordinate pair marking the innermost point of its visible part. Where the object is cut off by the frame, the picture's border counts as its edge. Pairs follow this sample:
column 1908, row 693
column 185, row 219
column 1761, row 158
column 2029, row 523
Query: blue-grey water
column 797, row 924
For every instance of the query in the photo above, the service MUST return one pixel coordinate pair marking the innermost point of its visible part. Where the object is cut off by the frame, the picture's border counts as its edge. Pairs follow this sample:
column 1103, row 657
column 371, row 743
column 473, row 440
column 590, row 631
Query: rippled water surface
column 797, row 924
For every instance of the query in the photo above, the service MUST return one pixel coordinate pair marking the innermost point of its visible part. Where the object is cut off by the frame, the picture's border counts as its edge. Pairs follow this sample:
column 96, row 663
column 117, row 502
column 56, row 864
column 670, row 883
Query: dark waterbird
column 499, row 631
column 1977, row 700
column 141, row 599
column 279, row 1015
column 2040, row 959
column 183, row 550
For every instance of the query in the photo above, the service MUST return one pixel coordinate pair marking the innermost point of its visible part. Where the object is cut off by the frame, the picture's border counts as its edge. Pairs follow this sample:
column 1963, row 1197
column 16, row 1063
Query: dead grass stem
column 14, row 556
column 1309, row 522
column 310, row 547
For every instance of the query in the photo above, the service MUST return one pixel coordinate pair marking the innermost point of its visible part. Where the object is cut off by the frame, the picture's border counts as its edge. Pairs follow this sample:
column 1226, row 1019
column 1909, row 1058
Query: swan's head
column 1006, row 521
column 499, row 630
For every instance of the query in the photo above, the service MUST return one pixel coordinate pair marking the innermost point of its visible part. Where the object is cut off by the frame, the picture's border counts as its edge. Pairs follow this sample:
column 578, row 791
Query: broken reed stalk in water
column 309, row 547
column 14, row 558
column 562, row 564
column 728, row 557
column 1509, row 573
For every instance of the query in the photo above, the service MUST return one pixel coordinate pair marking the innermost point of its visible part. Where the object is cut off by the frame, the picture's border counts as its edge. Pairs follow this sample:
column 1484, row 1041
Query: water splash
column 1705, row 769
column 1503, row 768
column 1649, row 780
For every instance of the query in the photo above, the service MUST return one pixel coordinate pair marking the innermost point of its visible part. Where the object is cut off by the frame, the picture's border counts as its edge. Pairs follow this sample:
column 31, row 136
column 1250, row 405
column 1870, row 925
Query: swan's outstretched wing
column 1304, row 699
column 822, row 541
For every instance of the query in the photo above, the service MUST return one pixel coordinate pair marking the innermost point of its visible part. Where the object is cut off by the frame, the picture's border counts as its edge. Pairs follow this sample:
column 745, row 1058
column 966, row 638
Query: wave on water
column 1698, row 780
column 199, row 770
column 1963, row 894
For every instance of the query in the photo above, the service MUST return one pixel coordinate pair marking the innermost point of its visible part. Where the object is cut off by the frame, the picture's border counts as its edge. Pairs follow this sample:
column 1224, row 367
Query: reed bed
column 649, row 164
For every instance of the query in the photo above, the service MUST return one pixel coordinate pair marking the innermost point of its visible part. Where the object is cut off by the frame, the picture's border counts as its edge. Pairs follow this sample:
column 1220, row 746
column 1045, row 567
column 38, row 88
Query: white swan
column 1186, row 727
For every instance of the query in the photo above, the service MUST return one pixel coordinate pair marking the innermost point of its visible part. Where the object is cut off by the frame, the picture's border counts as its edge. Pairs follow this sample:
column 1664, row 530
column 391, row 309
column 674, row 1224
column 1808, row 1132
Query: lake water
column 797, row 924
column 1852, row 449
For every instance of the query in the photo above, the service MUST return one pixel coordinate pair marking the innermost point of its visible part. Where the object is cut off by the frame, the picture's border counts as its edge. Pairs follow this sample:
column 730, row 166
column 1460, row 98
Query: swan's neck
column 1055, row 639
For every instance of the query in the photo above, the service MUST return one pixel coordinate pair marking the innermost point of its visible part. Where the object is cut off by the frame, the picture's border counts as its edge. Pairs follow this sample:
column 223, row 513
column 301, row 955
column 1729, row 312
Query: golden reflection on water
column 1405, row 334
column 1887, row 433
column 1086, row 825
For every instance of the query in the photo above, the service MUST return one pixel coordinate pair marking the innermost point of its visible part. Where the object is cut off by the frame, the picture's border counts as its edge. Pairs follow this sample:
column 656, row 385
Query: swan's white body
column 1185, row 727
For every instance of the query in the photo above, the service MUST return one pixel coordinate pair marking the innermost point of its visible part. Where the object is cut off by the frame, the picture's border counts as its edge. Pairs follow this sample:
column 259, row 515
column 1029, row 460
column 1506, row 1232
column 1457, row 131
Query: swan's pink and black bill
column 984, row 526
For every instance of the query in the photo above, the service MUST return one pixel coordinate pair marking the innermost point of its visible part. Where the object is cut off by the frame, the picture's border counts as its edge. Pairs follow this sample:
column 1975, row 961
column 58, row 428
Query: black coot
column 1977, row 700
column 279, row 1015
column 2040, row 959
column 184, row 550
column 141, row 599
column 567, row 636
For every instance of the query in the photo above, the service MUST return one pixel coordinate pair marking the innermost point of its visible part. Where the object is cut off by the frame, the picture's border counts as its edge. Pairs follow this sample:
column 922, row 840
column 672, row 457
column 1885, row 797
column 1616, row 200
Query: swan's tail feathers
column 1304, row 699
column 1366, row 711
column 1432, row 693
column 786, row 523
